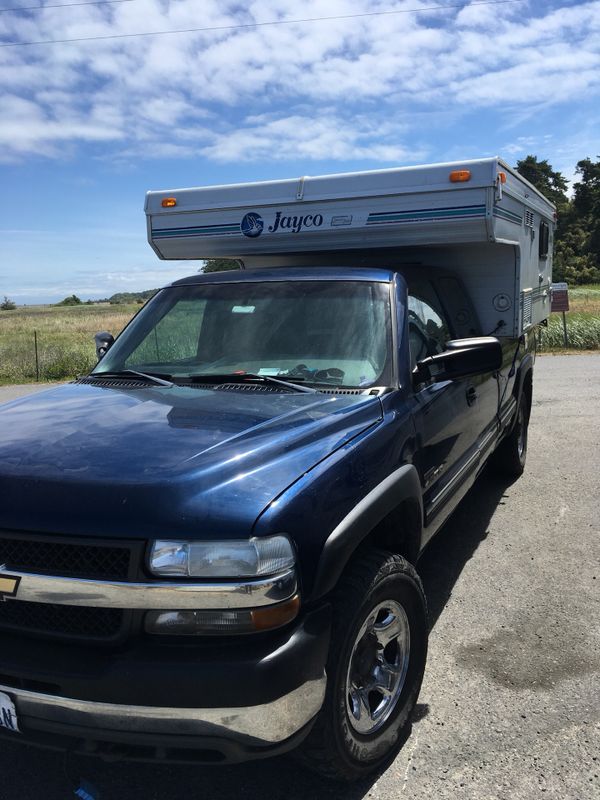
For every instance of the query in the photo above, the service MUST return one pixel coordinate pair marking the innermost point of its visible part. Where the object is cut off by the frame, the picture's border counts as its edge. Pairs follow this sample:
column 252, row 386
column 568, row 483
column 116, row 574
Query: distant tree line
column 219, row 264
column 115, row 299
column 132, row 297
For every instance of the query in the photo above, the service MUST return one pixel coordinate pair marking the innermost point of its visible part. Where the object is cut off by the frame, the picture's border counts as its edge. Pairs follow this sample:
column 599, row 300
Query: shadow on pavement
column 31, row 774
column 442, row 563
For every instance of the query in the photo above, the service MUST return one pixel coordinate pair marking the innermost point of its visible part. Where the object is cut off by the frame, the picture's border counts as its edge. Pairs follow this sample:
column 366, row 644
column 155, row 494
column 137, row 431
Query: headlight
column 247, row 558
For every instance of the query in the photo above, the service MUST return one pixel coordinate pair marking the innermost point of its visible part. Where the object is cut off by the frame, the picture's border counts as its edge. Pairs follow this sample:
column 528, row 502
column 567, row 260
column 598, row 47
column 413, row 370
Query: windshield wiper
column 232, row 377
column 146, row 375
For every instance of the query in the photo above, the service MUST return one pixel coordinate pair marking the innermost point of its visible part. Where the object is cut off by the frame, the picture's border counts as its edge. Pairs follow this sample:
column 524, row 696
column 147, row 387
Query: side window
column 428, row 330
column 544, row 239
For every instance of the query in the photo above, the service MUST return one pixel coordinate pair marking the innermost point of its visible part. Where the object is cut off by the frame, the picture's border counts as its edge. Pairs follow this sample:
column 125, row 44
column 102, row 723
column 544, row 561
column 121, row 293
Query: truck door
column 444, row 412
column 484, row 390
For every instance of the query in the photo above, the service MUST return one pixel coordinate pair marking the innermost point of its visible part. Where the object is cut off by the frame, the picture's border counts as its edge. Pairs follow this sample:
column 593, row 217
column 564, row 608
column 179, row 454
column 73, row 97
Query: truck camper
column 210, row 544
column 482, row 220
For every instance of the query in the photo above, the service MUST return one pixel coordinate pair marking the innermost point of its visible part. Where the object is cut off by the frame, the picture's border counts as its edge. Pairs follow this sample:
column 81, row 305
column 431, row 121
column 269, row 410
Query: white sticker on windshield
column 243, row 309
column 269, row 371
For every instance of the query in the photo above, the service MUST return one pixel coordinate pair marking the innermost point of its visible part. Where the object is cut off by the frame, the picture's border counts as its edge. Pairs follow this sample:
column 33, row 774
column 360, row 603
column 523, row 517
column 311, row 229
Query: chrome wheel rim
column 377, row 668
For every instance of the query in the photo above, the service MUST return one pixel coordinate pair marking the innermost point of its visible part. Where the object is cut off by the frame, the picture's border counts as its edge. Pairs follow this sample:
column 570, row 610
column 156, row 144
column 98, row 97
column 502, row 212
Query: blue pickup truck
column 209, row 543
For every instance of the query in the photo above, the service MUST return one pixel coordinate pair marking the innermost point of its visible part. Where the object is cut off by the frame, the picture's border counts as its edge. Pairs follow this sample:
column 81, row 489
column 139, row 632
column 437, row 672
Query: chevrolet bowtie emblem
column 8, row 584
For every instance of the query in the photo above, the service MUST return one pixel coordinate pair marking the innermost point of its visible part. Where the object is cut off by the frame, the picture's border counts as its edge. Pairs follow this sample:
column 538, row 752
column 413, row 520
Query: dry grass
column 65, row 339
column 66, row 335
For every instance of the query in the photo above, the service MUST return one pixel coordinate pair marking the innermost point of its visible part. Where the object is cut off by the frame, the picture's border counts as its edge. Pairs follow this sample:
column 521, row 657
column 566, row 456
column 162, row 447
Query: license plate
column 8, row 714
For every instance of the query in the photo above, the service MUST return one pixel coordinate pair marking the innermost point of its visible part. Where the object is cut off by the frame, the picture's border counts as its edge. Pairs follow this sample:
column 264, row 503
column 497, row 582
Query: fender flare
column 401, row 485
column 525, row 369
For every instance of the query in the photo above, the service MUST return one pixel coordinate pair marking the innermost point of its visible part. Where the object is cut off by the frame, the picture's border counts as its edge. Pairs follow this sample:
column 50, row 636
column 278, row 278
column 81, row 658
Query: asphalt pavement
column 510, row 705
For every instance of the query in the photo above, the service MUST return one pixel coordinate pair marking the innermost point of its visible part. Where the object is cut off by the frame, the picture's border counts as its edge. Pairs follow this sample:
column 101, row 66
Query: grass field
column 65, row 338
column 583, row 322
column 66, row 335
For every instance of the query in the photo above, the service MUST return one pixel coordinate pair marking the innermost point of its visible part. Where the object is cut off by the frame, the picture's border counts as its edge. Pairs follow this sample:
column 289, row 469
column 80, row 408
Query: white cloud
column 244, row 94
column 307, row 137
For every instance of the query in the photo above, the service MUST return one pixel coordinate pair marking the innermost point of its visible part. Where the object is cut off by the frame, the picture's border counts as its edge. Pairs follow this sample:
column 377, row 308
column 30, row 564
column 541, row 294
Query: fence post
column 37, row 358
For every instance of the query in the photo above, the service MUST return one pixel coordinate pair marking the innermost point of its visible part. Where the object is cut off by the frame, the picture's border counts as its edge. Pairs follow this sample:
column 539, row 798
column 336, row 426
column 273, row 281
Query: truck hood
column 102, row 461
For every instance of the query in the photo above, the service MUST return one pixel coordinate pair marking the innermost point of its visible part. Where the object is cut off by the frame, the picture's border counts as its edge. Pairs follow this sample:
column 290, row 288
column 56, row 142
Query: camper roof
column 452, row 203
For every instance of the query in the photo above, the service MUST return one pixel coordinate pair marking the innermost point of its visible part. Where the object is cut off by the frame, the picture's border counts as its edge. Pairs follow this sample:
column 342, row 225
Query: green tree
column 586, row 203
column 549, row 182
column 8, row 304
column 572, row 261
column 587, row 190
column 72, row 300
column 219, row 264
column 577, row 235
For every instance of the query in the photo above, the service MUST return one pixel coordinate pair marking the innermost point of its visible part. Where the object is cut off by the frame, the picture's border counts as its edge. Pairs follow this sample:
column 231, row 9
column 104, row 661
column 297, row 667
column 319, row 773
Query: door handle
column 471, row 395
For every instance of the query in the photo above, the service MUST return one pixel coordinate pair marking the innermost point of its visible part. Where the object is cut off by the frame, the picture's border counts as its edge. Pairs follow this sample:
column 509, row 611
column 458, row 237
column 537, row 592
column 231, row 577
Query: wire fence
column 31, row 356
column 44, row 356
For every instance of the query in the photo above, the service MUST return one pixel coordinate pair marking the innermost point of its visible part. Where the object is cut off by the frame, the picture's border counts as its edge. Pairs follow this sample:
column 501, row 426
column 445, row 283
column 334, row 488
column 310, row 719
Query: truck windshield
column 321, row 332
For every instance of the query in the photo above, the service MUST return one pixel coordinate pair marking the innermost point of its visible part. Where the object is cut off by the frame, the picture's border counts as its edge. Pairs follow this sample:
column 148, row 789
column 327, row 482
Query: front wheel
column 375, row 668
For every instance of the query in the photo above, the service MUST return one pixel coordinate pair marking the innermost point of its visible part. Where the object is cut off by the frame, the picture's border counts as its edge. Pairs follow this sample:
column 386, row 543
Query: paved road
column 8, row 393
column 510, row 706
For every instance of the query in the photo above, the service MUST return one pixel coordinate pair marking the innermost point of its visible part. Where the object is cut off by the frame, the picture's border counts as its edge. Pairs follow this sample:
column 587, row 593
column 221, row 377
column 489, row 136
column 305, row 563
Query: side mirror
column 461, row 359
column 104, row 341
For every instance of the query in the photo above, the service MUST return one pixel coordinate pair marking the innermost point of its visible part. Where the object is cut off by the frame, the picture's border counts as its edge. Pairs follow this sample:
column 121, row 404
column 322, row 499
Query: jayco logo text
column 295, row 223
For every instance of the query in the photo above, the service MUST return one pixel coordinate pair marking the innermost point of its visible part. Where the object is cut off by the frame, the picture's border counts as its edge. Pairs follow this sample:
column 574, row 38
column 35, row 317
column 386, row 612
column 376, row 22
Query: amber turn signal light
column 169, row 202
column 460, row 175
column 263, row 619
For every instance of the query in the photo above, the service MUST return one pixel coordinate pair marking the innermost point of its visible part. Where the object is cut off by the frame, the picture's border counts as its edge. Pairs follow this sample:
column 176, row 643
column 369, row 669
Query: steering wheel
column 329, row 375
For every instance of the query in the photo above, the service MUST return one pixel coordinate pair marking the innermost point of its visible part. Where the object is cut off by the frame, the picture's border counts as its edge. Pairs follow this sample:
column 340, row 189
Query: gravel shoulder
column 510, row 705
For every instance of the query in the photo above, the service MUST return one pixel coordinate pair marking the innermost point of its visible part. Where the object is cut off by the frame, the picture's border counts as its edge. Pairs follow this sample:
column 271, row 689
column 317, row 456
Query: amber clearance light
column 169, row 202
column 460, row 175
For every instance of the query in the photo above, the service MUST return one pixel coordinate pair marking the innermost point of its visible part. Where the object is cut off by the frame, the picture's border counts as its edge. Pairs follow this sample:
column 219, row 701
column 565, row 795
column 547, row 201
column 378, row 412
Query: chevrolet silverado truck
column 209, row 544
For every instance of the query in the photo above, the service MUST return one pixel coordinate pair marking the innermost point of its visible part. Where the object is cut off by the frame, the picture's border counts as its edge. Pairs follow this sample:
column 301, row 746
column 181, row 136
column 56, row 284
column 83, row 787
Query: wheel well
column 399, row 532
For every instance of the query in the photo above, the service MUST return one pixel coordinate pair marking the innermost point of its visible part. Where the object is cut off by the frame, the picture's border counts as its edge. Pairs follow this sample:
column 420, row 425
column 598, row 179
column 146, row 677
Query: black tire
column 334, row 747
column 509, row 459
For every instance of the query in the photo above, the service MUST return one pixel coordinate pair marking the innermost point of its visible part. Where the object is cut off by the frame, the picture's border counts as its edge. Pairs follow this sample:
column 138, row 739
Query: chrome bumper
column 265, row 724
column 158, row 595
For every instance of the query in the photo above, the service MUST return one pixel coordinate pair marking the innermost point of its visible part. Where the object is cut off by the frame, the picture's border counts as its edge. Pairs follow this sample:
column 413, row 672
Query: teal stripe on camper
column 458, row 212
column 203, row 230
column 510, row 216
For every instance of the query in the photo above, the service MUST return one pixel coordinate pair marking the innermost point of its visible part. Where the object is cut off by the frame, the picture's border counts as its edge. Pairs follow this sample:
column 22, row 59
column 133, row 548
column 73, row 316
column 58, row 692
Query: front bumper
column 215, row 701
column 218, row 734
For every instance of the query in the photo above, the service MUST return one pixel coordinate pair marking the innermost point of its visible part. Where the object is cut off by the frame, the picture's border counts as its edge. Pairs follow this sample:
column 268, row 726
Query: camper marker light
column 460, row 175
column 502, row 177
column 169, row 202
column 245, row 558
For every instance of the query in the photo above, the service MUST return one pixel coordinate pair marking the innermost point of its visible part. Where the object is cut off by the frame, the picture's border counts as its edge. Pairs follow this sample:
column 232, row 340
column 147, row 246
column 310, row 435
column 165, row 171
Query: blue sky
column 87, row 127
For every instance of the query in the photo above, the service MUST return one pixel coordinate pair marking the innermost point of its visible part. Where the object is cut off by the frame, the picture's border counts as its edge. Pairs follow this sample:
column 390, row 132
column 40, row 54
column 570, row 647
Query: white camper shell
column 478, row 218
